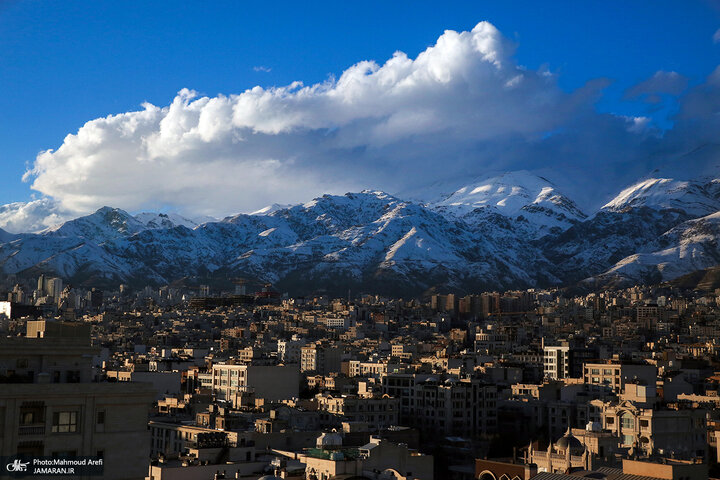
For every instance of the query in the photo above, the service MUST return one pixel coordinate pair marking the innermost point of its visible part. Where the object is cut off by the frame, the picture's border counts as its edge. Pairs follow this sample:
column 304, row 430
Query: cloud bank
column 460, row 109
column 32, row 216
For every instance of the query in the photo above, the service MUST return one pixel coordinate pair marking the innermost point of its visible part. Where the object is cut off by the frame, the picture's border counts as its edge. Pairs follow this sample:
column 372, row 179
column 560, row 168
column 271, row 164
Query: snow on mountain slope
column 271, row 209
column 362, row 240
column 695, row 198
column 165, row 220
column 530, row 201
column 68, row 257
column 103, row 225
column 168, row 253
column 508, row 231
column 631, row 223
column 371, row 237
column 332, row 214
column 690, row 246
column 591, row 247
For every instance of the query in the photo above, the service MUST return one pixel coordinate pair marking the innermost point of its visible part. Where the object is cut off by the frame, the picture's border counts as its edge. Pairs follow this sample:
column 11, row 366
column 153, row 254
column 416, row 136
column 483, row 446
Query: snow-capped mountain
column 168, row 220
column 514, row 230
column 694, row 198
column 271, row 209
column 372, row 237
column 690, row 246
column 629, row 224
column 105, row 224
column 531, row 203
column 360, row 240
column 591, row 247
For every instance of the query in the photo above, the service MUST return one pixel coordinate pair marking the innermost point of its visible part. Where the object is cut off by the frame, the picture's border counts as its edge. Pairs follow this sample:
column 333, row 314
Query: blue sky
column 65, row 63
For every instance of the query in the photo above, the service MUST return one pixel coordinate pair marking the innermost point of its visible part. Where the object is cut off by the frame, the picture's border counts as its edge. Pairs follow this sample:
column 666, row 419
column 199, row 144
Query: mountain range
column 507, row 231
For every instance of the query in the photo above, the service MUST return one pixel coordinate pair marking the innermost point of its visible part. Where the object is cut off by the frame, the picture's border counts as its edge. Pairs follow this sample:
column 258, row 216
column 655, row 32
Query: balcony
column 35, row 429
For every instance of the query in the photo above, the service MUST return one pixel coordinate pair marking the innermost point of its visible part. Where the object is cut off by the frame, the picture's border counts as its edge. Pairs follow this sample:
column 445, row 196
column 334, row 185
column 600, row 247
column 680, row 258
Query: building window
column 100, row 421
column 64, row 422
column 627, row 421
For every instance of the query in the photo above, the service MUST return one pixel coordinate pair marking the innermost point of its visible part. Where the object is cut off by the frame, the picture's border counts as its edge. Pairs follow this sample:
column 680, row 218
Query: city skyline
column 404, row 240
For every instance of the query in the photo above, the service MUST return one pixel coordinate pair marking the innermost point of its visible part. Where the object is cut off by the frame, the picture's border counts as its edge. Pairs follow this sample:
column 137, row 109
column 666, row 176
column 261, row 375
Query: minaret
column 529, row 459
column 549, row 457
column 568, row 462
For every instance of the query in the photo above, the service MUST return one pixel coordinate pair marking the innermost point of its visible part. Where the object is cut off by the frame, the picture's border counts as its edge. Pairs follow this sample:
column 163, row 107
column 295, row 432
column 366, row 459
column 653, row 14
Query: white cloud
column 461, row 108
column 716, row 36
column 281, row 144
column 262, row 68
column 32, row 216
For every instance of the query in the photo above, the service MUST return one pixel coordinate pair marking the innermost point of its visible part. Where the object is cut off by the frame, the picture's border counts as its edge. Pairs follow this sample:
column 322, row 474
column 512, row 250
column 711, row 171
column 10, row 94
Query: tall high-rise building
column 96, row 298
column 41, row 285
column 54, row 287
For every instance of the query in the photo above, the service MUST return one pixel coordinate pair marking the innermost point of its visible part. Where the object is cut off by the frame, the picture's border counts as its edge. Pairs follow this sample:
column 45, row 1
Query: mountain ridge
column 515, row 230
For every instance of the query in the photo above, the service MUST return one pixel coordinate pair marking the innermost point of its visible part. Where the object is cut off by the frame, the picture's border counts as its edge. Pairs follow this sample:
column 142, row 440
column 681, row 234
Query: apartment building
column 321, row 358
column 171, row 438
column 270, row 382
column 566, row 360
column 556, row 362
column 377, row 411
column 447, row 406
column 50, row 407
column 676, row 430
column 615, row 374
column 288, row 351
column 357, row 368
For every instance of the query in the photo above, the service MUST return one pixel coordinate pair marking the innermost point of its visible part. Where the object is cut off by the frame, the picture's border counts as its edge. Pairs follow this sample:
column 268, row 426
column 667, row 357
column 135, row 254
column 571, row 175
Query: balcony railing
column 31, row 430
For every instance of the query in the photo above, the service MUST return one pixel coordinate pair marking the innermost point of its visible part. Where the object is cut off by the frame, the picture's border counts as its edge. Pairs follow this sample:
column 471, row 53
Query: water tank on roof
column 593, row 427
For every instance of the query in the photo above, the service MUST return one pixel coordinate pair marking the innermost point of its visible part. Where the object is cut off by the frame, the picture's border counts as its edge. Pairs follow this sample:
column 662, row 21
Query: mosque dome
column 570, row 441
column 329, row 440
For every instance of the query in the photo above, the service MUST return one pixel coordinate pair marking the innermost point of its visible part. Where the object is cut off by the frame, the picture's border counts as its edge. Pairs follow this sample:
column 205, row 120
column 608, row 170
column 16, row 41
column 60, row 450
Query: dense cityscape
column 469, row 240
column 178, row 383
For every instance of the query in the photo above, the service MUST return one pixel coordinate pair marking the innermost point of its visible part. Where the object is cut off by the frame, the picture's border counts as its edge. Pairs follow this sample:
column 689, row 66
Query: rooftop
column 348, row 453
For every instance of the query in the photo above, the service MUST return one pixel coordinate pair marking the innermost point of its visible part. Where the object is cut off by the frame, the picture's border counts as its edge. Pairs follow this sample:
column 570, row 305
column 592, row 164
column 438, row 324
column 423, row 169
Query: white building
column 270, row 382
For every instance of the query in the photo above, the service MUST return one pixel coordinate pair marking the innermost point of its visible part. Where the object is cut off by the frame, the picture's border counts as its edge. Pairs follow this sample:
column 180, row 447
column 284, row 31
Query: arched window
column 627, row 420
